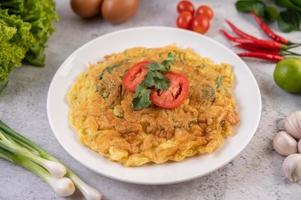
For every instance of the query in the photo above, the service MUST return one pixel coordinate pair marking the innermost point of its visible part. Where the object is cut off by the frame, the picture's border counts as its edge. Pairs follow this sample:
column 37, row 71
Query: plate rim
column 161, row 182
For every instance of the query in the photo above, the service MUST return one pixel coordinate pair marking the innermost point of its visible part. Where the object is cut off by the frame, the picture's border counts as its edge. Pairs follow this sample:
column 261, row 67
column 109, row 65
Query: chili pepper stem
column 293, row 45
column 291, row 53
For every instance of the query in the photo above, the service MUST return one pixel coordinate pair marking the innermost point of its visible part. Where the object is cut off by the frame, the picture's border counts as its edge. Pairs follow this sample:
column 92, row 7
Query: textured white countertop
column 254, row 174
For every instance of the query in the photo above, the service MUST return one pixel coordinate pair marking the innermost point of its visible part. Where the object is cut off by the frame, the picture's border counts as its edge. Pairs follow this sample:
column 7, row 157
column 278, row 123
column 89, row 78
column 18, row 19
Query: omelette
column 102, row 111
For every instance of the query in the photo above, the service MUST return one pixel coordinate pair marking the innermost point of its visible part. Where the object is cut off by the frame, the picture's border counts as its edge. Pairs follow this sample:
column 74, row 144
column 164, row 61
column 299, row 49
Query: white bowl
column 246, row 93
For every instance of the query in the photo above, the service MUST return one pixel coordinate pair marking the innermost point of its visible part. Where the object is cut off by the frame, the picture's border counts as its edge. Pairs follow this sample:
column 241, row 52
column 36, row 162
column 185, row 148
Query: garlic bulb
column 292, row 167
column 292, row 124
column 284, row 144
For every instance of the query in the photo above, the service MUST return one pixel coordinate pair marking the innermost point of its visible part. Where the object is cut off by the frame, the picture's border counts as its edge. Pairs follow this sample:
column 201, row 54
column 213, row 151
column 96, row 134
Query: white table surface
column 254, row 174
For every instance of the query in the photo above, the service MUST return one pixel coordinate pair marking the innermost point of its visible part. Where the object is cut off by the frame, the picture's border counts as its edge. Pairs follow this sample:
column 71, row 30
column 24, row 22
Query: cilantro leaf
column 141, row 98
column 164, row 66
column 156, row 79
column 109, row 69
column 170, row 59
column 154, row 66
column 161, row 84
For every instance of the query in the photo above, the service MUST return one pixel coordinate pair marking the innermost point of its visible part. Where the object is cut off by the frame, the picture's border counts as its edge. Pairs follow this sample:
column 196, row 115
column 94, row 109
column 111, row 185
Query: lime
column 287, row 74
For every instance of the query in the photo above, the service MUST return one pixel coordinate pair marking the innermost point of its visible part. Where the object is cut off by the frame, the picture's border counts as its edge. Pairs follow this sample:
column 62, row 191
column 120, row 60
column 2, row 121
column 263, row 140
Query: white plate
column 246, row 92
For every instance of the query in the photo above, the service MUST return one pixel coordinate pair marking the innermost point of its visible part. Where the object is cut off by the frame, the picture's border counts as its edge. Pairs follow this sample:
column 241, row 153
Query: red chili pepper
column 239, row 32
column 228, row 36
column 262, row 44
column 252, row 48
column 268, row 31
column 261, row 55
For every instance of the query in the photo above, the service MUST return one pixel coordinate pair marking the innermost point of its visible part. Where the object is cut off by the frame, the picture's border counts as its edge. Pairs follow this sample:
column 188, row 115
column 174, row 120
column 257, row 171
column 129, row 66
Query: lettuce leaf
column 15, row 40
column 40, row 14
column 25, row 26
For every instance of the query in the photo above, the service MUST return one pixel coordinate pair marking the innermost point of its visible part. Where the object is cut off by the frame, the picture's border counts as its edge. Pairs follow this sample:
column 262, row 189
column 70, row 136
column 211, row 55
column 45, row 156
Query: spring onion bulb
column 88, row 192
column 63, row 187
column 19, row 150
column 54, row 168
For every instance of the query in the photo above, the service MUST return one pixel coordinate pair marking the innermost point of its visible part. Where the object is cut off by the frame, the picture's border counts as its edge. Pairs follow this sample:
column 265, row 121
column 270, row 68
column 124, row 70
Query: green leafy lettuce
column 25, row 26
column 15, row 40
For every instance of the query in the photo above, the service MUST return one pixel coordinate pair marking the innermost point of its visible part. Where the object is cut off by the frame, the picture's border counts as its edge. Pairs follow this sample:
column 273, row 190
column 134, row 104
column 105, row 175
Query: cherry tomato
column 176, row 93
column 185, row 6
column 135, row 75
column 205, row 11
column 184, row 20
column 200, row 24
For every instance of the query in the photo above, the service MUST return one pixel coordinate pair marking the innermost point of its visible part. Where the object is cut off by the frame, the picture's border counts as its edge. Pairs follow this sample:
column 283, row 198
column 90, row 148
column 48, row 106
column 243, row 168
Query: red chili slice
column 135, row 75
column 176, row 93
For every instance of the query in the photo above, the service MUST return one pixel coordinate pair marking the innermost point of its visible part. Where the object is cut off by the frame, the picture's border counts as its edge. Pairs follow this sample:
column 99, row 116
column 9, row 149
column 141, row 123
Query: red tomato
column 185, row 6
column 200, row 24
column 205, row 11
column 176, row 93
column 135, row 75
column 184, row 20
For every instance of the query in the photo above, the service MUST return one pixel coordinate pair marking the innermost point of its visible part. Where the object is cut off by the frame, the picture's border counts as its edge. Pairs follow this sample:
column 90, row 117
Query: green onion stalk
column 19, row 150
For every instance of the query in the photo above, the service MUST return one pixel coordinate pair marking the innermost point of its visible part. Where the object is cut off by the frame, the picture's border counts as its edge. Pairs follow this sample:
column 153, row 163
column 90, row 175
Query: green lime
column 287, row 74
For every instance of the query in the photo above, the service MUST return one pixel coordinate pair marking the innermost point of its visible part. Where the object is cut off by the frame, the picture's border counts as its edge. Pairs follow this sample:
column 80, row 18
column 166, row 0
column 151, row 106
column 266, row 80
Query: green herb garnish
column 141, row 97
column 153, row 79
column 110, row 69
column 169, row 60
column 105, row 95
column 208, row 93
column 219, row 81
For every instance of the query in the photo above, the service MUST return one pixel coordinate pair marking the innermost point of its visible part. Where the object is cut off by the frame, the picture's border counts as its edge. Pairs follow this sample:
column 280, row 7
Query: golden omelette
column 102, row 113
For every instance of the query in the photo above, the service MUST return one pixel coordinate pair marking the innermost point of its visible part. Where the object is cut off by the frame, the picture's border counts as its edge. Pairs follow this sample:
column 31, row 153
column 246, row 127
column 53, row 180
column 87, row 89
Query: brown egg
column 118, row 11
column 86, row 8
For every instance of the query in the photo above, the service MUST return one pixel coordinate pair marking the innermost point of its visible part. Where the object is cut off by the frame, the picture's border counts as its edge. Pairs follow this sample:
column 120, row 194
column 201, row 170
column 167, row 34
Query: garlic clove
column 292, row 124
column 296, row 176
column 292, row 167
column 284, row 144
column 289, row 126
column 298, row 117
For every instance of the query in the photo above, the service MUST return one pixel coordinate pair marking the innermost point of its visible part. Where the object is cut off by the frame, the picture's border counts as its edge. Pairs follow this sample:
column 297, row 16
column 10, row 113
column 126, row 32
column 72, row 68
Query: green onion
column 19, row 150
column 54, row 168
column 62, row 186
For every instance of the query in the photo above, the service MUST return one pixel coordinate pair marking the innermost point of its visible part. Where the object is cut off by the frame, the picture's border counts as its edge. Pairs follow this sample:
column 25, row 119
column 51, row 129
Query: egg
column 86, row 8
column 118, row 11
